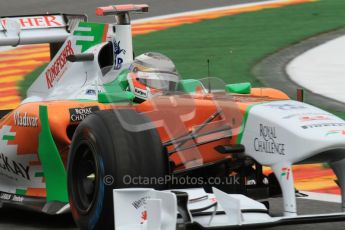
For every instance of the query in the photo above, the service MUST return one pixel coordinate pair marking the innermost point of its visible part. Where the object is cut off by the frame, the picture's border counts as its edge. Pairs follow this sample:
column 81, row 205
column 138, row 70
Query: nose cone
column 291, row 131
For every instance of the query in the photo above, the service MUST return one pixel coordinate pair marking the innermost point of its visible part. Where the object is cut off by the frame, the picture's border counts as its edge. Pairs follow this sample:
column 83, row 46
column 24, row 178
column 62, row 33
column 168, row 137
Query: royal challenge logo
column 268, row 142
column 79, row 114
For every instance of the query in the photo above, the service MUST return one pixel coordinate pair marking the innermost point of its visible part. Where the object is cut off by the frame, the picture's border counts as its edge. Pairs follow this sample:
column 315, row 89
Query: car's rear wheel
column 107, row 147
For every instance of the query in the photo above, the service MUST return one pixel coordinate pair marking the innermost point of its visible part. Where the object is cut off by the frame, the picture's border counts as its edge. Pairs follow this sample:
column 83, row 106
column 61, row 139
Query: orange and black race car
column 98, row 119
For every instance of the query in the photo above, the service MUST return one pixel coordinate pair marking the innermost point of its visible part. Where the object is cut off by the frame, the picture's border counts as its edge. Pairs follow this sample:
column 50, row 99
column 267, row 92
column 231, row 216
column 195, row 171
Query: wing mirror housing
column 239, row 88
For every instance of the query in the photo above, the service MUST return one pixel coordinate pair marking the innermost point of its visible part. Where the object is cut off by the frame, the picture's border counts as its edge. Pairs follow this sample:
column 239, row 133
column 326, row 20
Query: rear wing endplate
column 35, row 29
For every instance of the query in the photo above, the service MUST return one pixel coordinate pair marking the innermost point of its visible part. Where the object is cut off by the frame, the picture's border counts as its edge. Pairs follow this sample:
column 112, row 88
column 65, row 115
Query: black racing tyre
column 105, row 149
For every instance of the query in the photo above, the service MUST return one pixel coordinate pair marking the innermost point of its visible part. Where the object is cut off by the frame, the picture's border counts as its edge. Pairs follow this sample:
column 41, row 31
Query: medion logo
column 268, row 142
column 24, row 120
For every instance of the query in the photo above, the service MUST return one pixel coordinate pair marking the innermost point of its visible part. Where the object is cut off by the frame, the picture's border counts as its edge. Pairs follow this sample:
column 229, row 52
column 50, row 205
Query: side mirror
column 115, row 97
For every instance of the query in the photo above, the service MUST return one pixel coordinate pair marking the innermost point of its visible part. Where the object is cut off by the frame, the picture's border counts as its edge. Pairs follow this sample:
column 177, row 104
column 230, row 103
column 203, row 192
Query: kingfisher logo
column 44, row 21
column 54, row 72
column 285, row 173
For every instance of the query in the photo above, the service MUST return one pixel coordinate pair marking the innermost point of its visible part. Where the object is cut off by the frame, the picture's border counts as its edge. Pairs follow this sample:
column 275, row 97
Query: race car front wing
column 191, row 209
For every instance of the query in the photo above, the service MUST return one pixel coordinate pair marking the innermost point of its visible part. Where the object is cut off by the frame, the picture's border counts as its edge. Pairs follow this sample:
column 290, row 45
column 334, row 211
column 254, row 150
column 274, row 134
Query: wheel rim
column 85, row 178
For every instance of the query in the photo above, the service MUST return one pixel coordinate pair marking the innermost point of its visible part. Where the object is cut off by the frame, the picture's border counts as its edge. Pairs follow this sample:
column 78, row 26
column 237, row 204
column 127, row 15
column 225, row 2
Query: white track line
column 321, row 197
column 321, row 69
column 188, row 13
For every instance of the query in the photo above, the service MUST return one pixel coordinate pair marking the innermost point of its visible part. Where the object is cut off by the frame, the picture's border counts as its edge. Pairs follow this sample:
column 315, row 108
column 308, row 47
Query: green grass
column 235, row 43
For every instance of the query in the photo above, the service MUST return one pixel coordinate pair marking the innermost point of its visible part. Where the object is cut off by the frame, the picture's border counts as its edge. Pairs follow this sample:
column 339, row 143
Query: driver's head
column 152, row 73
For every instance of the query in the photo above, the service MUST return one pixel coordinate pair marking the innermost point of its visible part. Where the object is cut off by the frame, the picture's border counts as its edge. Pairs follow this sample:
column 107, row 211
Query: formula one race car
column 96, row 119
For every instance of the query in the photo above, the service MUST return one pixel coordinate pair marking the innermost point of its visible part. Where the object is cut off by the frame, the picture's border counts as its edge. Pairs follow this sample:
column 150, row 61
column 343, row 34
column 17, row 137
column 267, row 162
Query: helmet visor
column 158, row 80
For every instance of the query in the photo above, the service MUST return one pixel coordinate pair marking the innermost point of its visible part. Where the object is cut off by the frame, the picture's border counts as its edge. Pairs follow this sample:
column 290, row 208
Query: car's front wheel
column 108, row 148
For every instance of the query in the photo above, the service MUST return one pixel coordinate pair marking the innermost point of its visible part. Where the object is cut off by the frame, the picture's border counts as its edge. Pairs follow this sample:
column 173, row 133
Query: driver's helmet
column 152, row 73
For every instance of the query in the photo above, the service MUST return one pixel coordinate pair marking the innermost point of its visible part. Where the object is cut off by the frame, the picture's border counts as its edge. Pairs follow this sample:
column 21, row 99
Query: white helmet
column 152, row 73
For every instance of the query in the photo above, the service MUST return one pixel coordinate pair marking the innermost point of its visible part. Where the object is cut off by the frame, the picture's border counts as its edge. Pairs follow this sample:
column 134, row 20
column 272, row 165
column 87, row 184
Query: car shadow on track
column 12, row 218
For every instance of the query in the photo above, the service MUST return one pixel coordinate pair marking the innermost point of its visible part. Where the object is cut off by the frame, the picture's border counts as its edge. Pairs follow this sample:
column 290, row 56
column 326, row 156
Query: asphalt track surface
column 25, row 220
column 157, row 7
column 271, row 70
column 11, row 218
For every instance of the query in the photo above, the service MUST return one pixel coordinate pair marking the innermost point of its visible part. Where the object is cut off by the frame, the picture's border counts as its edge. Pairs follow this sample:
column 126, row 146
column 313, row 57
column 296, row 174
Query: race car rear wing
column 121, row 12
column 36, row 29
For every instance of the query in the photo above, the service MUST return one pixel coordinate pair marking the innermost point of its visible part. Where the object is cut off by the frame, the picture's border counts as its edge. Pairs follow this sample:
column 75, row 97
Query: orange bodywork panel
column 207, row 120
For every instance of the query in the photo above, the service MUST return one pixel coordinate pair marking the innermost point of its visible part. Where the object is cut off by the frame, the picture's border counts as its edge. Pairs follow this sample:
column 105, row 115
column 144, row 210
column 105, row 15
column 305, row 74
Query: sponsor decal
column 143, row 217
column 90, row 92
column 117, row 52
column 79, row 114
column 36, row 22
column 213, row 200
column 267, row 142
column 140, row 203
column 93, row 91
column 140, row 92
column 22, row 119
column 321, row 125
column 14, row 167
column 332, row 132
column 285, row 173
column 11, row 197
column 54, row 71
column 307, row 115
column 314, row 118
column 286, row 106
